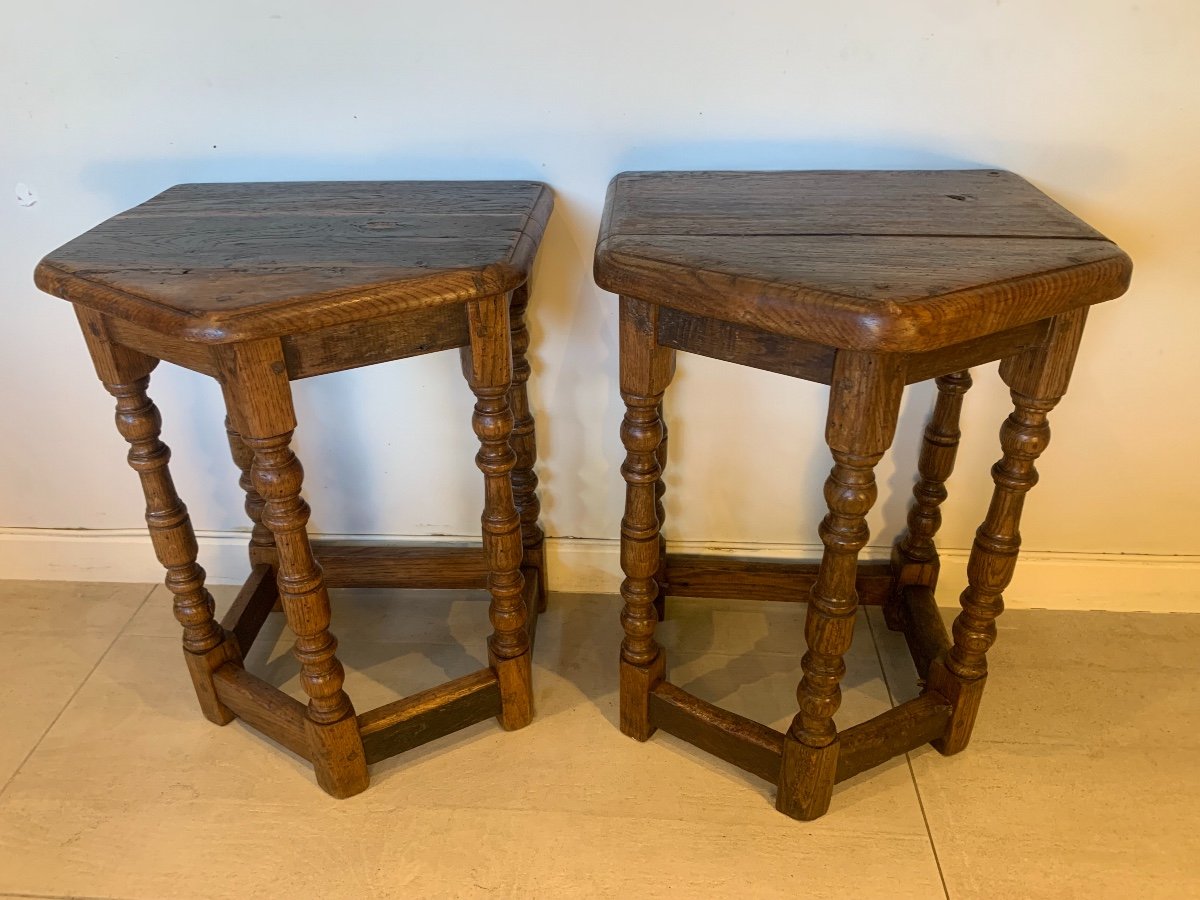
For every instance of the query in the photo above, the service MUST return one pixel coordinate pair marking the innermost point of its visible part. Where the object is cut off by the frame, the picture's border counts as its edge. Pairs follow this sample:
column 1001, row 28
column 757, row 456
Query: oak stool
column 258, row 285
column 866, row 282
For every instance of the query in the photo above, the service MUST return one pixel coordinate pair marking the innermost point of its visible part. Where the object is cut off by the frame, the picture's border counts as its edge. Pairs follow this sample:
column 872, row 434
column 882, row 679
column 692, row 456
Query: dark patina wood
column 254, row 602
column 921, row 622
column 866, row 282
column 257, row 285
column 735, row 739
column 264, row 708
column 733, row 578
column 429, row 715
column 900, row 729
column 372, row 564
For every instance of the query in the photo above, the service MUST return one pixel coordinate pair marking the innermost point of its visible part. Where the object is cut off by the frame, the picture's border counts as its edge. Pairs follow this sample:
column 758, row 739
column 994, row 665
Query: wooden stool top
column 884, row 261
column 219, row 263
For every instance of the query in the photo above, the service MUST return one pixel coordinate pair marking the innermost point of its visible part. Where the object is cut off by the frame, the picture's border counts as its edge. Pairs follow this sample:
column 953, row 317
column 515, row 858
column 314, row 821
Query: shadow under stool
column 258, row 285
column 867, row 282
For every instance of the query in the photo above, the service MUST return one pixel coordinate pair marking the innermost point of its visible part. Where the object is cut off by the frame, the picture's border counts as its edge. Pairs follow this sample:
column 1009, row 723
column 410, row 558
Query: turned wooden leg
column 126, row 375
column 262, row 543
column 1038, row 379
column 914, row 556
column 864, row 402
column 488, row 367
column 660, row 488
column 255, row 376
column 205, row 645
column 646, row 370
column 524, row 444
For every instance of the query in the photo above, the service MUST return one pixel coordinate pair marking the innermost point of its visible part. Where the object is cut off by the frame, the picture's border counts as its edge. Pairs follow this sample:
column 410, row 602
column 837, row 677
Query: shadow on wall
column 129, row 182
column 832, row 154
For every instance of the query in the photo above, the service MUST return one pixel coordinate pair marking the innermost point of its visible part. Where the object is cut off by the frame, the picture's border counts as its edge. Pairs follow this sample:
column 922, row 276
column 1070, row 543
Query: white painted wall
column 1096, row 102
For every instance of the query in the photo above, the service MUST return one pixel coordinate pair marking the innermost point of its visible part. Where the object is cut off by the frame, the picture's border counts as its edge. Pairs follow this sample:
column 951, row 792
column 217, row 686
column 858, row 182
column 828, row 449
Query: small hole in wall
column 25, row 195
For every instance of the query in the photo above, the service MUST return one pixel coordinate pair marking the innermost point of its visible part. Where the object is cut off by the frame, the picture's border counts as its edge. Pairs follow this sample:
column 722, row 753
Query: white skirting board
column 1044, row 579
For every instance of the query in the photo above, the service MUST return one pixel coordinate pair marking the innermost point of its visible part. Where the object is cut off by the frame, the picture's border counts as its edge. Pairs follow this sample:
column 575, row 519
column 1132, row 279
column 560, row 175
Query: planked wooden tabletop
column 226, row 262
column 875, row 260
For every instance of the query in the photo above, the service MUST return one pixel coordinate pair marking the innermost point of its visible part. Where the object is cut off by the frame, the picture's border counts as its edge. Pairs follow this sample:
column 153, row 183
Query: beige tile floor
column 1083, row 780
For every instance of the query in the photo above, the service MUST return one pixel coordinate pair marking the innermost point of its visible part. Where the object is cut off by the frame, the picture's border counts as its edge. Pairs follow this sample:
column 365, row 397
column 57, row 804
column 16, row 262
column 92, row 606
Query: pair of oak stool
column 864, row 281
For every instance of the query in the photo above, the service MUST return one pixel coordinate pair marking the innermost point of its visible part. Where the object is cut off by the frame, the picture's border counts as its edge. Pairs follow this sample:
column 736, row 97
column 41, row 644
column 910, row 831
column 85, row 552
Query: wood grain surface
column 217, row 263
column 885, row 261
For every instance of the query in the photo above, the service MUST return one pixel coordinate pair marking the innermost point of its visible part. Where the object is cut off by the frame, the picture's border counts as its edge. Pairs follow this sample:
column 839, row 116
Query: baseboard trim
column 1044, row 579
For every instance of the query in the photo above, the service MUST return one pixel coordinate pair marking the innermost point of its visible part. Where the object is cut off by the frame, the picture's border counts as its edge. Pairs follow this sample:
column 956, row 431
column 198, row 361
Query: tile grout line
column 879, row 658
column 908, row 760
column 929, row 831
column 78, row 688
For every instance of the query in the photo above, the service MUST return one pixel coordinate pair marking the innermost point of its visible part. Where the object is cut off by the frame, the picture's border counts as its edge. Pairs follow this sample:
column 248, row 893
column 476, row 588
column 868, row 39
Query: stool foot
column 516, row 689
column 806, row 777
column 338, row 758
column 965, row 695
column 201, row 667
column 636, row 684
